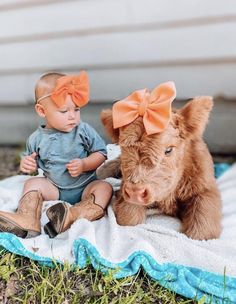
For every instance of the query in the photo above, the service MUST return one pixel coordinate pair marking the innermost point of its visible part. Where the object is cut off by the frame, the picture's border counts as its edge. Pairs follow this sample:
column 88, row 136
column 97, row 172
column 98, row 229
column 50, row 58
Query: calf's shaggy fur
column 169, row 172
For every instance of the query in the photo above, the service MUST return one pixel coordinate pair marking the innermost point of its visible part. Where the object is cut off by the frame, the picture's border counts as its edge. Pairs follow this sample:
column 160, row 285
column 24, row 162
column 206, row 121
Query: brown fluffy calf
column 170, row 172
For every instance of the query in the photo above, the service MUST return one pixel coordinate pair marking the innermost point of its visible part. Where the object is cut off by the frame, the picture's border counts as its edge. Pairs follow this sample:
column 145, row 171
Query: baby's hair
column 46, row 84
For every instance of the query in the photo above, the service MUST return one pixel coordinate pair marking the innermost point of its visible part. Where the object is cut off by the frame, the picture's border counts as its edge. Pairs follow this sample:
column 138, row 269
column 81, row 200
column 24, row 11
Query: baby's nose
column 71, row 114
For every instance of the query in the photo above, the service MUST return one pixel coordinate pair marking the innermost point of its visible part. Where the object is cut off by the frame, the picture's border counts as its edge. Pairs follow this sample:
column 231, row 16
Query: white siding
column 93, row 15
column 113, row 84
column 124, row 45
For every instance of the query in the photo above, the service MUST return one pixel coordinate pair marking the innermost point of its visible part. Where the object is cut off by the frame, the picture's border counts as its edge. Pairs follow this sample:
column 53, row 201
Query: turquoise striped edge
column 190, row 282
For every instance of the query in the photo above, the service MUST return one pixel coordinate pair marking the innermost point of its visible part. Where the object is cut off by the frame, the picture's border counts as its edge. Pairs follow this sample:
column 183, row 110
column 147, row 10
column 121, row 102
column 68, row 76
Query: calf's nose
column 135, row 193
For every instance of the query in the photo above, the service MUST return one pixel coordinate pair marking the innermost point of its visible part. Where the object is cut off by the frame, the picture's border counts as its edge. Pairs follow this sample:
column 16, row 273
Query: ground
column 9, row 160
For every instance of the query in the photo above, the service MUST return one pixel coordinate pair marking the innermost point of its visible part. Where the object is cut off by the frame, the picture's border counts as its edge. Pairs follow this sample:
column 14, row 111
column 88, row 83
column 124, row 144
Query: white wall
column 124, row 45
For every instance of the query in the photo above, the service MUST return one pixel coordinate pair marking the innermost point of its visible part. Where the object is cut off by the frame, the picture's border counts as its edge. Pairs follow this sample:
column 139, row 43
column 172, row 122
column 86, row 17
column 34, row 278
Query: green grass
column 25, row 281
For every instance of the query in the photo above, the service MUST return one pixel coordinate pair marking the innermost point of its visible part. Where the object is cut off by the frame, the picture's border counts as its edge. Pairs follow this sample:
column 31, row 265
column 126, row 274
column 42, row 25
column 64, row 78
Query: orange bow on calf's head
column 77, row 86
column 154, row 107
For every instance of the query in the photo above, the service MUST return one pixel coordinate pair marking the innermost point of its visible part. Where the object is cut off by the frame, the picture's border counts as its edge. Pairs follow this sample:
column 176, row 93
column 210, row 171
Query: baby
column 68, row 151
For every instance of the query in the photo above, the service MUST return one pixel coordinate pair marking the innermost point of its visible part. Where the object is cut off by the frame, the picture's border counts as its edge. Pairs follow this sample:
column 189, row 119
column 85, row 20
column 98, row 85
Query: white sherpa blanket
column 191, row 268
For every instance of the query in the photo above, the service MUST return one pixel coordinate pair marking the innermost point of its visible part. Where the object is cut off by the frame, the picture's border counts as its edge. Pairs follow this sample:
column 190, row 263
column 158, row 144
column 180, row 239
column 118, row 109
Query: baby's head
column 45, row 85
column 59, row 99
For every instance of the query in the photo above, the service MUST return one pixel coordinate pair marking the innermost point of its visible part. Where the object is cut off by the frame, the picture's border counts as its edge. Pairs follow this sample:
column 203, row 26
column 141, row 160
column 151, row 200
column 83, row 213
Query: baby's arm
column 92, row 162
column 28, row 163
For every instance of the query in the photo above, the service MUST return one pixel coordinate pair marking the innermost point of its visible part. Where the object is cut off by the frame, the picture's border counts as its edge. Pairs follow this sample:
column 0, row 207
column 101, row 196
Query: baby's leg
column 95, row 199
column 48, row 191
column 25, row 222
column 101, row 190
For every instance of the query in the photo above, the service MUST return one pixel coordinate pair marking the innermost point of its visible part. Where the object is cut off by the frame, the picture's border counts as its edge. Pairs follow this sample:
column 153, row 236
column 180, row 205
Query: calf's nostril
column 144, row 194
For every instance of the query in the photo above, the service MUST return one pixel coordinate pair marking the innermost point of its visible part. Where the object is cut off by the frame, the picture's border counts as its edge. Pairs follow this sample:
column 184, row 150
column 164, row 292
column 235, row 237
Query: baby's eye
column 77, row 109
column 63, row 111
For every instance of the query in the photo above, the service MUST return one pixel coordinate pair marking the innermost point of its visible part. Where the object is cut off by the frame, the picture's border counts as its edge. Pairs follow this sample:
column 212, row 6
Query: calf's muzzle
column 136, row 193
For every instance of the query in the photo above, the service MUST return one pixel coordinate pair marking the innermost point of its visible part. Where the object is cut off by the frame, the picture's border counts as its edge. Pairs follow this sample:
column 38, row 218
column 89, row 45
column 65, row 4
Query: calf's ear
column 195, row 115
column 106, row 118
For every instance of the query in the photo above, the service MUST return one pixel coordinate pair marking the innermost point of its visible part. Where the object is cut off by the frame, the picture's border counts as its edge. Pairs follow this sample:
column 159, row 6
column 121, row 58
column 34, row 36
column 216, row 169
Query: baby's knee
column 106, row 187
column 99, row 188
column 33, row 183
column 30, row 182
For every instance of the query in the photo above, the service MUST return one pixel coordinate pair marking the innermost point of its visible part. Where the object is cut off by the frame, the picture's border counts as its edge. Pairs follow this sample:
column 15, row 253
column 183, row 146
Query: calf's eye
column 168, row 151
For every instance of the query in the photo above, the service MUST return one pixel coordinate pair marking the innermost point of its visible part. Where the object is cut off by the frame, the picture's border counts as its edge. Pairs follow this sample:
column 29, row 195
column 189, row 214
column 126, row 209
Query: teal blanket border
column 190, row 282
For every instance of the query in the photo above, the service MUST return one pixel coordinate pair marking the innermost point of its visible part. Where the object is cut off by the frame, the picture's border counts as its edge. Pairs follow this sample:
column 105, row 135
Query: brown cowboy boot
column 61, row 216
column 25, row 223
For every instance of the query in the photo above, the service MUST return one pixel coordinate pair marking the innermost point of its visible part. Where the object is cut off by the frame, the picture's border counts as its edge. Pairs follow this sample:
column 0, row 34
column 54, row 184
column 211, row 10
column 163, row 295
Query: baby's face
column 65, row 118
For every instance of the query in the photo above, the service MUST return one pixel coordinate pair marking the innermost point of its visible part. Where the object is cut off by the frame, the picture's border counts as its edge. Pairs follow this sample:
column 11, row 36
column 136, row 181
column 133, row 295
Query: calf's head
column 152, row 165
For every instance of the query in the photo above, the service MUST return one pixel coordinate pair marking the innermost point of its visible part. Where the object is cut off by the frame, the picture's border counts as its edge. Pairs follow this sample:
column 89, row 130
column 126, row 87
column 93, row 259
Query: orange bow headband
column 77, row 86
column 154, row 107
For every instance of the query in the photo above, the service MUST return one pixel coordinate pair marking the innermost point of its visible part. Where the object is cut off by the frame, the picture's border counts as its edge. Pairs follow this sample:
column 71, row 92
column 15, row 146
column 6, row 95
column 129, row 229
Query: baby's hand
column 75, row 167
column 28, row 163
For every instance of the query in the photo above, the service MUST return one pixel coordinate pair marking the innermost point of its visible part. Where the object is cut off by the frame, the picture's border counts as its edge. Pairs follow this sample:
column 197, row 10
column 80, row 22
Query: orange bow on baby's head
column 77, row 86
column 154, row 107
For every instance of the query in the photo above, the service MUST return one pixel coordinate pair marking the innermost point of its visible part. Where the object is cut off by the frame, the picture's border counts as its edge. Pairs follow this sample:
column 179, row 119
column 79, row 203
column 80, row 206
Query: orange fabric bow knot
column 76, row 86
column 154, row 107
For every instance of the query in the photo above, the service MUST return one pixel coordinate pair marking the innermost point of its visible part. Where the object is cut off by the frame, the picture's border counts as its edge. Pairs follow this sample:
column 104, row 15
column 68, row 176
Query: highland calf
column 169, row 172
